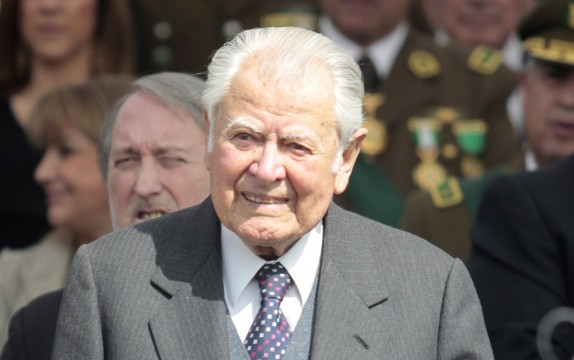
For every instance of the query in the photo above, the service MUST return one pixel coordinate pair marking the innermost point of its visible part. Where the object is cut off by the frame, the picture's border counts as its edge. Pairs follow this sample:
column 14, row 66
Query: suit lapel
column 350, row 301
column 192, row 322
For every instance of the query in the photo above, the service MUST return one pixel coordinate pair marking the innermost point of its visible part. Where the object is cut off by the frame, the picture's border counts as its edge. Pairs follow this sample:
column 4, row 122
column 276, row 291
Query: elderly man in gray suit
column 268, row 267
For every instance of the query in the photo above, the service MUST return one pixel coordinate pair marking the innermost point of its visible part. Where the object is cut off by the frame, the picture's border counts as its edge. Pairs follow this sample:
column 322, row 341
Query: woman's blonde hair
column 84, row 106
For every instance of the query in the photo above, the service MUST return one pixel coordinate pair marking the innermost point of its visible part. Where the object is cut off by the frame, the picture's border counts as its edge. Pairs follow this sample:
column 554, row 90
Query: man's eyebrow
column 242, row 122
column 300, row 135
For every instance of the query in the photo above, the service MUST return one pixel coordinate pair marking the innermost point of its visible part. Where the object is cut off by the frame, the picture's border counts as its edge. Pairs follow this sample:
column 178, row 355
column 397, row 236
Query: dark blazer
column 522, row 260
column 156, row 291
column 32, row 329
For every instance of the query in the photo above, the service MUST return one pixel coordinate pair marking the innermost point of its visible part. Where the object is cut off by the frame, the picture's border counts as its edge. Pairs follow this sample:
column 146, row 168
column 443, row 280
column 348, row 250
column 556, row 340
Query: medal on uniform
column 428, row 173
column 470, row 136
column 376, row 139
column 447, row 116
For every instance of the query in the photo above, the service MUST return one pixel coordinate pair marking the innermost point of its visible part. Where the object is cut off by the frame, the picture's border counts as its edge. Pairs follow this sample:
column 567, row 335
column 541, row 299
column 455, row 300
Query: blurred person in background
column 153, row 147
column 152, row 152
column 523, row 236
column 43, row 45
column 547, row 88
column 66, row 123
column 434, row 113
column 490, row 23
column 181, row 35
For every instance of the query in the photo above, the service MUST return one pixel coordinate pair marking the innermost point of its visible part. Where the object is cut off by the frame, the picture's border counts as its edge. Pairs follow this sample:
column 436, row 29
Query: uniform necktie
column 269, row 334
column 370, row 76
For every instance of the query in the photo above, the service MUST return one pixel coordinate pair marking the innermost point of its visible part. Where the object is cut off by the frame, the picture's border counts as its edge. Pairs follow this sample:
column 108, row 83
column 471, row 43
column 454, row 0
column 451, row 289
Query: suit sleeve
column 79, row 328
column 462, row 333
column 517, row 268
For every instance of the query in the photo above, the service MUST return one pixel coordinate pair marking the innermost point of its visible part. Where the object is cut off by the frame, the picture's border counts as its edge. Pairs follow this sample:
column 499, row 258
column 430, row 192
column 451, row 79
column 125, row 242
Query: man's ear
column 348, row 161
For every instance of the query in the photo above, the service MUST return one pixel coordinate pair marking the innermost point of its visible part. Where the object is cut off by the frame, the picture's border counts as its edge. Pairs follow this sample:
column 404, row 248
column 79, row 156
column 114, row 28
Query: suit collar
column 192, row 322
column 189, row 275
column 350, row 299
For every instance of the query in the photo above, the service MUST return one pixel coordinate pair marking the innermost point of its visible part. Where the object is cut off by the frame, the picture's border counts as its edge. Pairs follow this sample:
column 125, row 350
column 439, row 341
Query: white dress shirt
column 240, row 265
column 382, row 52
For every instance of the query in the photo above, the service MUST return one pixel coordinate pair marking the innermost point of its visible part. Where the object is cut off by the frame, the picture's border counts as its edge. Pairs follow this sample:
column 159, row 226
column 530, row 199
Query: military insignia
column 428, row 173
column 471, row 167
column 471, row 138
column 447, row 193
column 484, row 60
column 445, row 114
column 305, row 20
column 376, row 140
column 449, row 151
column 423, row 64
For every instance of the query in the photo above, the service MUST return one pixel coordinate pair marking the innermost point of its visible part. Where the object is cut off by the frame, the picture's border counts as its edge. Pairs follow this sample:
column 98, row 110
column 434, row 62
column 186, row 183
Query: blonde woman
column 66, row 124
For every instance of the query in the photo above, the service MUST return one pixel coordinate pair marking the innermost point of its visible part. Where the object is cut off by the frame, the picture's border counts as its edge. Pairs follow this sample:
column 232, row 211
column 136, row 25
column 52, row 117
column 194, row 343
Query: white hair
column 287, row 54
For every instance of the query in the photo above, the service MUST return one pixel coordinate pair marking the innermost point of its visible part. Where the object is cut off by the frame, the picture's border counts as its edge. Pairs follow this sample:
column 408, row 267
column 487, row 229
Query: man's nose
column 148, row 182
column 268, row 165
column 45, row 169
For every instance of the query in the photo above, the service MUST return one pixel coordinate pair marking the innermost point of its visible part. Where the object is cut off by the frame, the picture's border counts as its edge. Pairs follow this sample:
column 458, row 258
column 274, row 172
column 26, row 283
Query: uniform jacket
column 156, row 291
column 449, row 227
column 182, row 35
column 407, row 95
column 522, row 260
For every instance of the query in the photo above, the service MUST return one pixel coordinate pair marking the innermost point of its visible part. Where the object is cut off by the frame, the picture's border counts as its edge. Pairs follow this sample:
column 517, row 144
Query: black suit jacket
column 32, row 329
column 522, row 260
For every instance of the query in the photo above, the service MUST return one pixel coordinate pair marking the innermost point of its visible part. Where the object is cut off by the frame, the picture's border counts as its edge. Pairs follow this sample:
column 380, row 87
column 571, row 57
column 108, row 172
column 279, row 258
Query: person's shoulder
column 149, row 238
column 480, row 62
column 391, row 244
column 51, row 248
column 141, row 235
column 33, row 327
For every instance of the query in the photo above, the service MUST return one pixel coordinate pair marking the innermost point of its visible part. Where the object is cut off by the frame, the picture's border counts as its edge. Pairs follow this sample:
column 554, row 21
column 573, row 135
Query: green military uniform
column 176, row 35
column 181, row 35
column 449, row 227
column 548, row 36
column 424, row 78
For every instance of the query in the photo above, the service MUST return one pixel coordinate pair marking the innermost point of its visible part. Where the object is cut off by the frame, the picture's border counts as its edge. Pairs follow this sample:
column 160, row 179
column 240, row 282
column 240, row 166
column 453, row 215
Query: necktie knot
column 274, row 281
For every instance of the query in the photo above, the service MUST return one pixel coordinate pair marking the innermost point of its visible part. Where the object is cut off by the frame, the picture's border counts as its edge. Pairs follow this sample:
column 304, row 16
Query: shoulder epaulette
column 484, row 60
column 447, row 194
column 423, row 64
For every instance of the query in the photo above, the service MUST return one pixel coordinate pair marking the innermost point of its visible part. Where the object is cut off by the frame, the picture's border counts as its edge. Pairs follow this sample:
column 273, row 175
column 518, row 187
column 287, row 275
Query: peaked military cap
column 547, row 32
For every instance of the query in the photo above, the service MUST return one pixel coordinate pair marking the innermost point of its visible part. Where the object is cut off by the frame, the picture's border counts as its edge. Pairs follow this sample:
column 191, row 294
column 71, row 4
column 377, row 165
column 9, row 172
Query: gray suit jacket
column 156, row 291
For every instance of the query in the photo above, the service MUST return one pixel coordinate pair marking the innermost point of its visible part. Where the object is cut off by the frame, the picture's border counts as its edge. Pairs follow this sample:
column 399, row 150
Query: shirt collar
column 530, row 161
column 382, row 52
column 512, row 53
column 240, row 264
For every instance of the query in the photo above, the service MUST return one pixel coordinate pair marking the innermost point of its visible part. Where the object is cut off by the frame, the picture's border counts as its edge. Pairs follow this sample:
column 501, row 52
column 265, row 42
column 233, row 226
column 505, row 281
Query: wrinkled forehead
column 281, row 86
